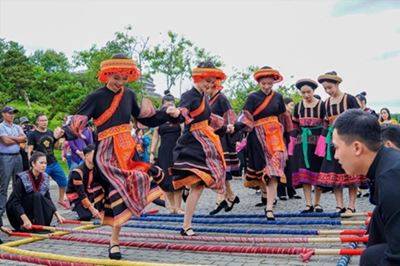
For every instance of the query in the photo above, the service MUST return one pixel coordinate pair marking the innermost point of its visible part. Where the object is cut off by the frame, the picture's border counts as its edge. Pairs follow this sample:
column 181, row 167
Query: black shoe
column 308, row 209
column 295, row 197
column 187, row 232
column 359, row 194
column 282, row 198
column 340, row 210
column 318, row 208
column 269, row 218
column 275, row 202
column 114, row 255
column 220, row 206
column 366, row 195
column 185, row 194
column 262, row 203
column 235, row 201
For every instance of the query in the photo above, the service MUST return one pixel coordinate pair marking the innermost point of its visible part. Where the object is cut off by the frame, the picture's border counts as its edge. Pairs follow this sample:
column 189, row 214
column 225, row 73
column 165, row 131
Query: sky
column 359, row 39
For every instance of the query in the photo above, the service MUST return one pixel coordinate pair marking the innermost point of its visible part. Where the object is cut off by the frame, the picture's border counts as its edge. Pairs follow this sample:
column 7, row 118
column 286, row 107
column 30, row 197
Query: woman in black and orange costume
column 126, row 183
column 198, row 155
column 266, row 151
column 220, row 106
column 331, row 173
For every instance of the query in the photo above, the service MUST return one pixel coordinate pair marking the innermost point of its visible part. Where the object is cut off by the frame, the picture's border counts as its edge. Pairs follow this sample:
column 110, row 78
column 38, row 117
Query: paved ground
column 248, row 199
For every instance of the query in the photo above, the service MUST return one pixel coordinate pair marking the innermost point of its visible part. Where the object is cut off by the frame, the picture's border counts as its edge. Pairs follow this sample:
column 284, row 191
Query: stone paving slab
column 248, row 200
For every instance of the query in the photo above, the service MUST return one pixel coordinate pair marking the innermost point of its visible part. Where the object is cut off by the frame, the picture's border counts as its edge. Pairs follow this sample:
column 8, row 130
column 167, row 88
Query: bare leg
column 318, row 193
column 229, row 193
column 191, row 203
column 171, row 201
column 339, row 197
column 272, row 186
column 352, row 197
column 116, row 229
column 307, row 193
column 61, row 194
column 178, row 200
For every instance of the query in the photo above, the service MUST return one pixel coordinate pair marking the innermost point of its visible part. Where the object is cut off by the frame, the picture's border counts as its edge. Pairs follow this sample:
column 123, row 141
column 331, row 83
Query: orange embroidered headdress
column 268, row 72
column 199, row 73
column 123, row 66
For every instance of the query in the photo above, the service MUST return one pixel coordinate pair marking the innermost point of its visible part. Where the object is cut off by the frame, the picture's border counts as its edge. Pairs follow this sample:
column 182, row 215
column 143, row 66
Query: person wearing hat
column 165, row 137
column 331, row 173
column 11, row 136
column 198, row 154
column 85, row 196
column 220, row 106
column 308, row 118
column 266, row 148
column 126, row 182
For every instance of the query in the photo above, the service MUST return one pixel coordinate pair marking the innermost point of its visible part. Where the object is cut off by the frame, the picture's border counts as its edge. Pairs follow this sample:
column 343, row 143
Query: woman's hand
column 60, row 219
column 27, row 224
column 95, row 212
column 173, row 111
column 6, row 230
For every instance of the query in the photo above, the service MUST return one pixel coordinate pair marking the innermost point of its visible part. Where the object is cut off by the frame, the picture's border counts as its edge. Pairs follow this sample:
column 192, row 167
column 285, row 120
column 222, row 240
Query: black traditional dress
column 331, row 173
column 169, row 133
column 30, row 196
column 198, row 155
column 126, row 182
column 83, row 192
column 308, row 122
column 266, row 151
column 220, row 106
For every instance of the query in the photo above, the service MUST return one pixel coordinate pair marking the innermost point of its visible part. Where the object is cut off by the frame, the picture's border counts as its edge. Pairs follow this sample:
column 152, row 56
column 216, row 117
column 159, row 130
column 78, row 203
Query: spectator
column 11, row 136
column 27, row 128
column 30, row 201
column 391, row 136
column 43, row 140
column 385, row 118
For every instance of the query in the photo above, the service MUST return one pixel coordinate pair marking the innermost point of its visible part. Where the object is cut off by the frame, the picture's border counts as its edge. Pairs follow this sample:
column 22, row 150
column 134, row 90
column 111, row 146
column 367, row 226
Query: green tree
column 15, row 71
column 172, row 58
column 50, row 60
column 290, row 91
column 239, row 86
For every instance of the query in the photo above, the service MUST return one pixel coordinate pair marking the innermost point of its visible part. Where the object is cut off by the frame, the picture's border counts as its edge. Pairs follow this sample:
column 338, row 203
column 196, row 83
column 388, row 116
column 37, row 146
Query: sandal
column 318, row 208
column 350, row 210
column 359, row 194
column 269, row 218
column 340, row 210
column 219, row 207
column 235, row 201
column 187, row 232
column 114, row 255
column 308, row 209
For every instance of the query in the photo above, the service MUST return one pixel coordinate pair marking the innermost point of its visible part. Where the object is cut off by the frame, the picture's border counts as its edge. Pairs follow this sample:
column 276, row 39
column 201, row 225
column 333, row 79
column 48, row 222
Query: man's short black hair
column 391, row 133
column 88, row 148
column 359, row 125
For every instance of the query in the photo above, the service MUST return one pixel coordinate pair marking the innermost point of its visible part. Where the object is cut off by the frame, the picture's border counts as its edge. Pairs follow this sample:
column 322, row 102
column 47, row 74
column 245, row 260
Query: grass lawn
column 64, row 165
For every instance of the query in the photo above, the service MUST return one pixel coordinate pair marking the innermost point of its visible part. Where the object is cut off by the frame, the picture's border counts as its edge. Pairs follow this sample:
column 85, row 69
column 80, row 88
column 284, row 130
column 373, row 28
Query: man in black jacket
column 359, row 149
